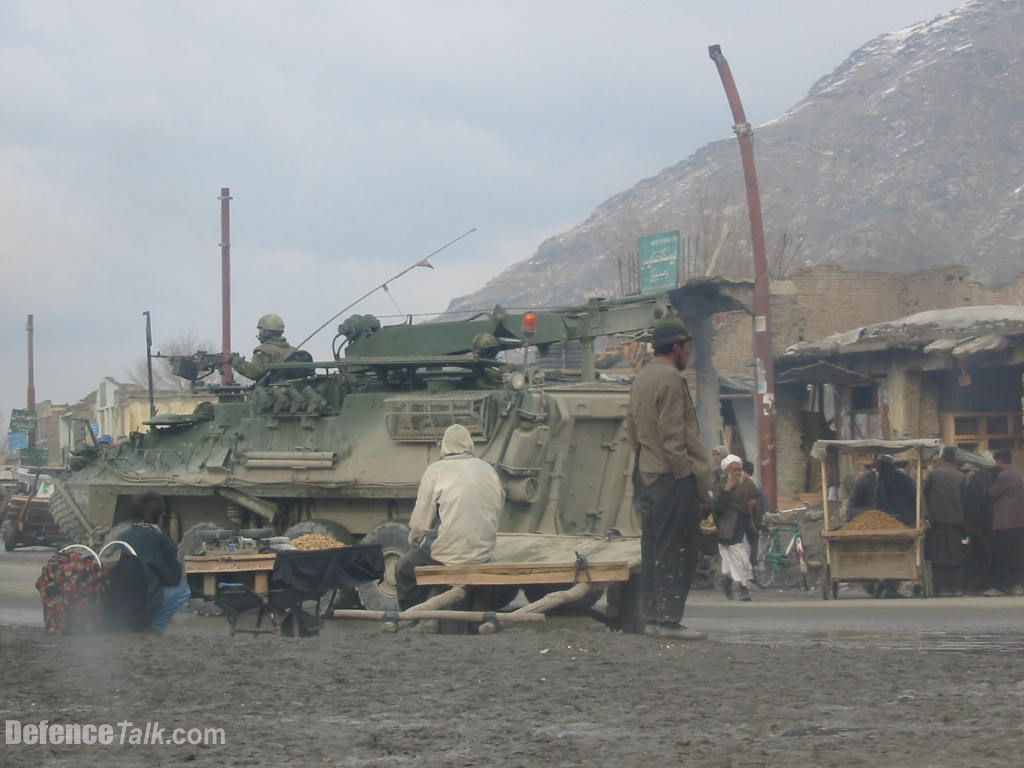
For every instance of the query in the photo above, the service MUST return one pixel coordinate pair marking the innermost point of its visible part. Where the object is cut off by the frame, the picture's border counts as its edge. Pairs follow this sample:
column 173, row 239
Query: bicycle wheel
column 764, row 568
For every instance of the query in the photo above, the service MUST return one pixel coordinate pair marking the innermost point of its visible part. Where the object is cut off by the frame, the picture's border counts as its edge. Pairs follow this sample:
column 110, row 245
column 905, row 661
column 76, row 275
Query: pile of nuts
column 312, row 541
column 873, row 520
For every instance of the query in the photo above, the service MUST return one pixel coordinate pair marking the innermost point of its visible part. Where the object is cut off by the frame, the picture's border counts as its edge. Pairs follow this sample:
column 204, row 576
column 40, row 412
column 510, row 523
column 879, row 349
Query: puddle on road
column 931, row 642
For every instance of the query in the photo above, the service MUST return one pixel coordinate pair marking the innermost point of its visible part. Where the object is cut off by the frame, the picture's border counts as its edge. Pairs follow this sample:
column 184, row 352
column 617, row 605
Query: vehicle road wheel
column 393, row 539
column 346, row 597
column 764, row 573
column 66, row 520
column 9, row 534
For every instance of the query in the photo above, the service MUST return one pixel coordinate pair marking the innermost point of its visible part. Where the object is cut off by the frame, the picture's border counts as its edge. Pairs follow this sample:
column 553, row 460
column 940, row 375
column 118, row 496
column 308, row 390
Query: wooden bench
column 579, row 564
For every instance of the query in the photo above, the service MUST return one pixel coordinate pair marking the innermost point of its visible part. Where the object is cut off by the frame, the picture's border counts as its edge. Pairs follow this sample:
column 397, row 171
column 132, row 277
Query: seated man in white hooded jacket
column 455, row 521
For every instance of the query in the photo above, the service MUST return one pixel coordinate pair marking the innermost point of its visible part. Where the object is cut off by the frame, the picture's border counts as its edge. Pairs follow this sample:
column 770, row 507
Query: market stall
column 873, row 552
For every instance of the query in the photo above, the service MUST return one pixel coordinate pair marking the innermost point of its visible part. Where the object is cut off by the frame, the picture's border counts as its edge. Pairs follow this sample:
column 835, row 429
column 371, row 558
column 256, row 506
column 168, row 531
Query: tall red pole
column 227, row 375
column 764, row 397
column 31, row 404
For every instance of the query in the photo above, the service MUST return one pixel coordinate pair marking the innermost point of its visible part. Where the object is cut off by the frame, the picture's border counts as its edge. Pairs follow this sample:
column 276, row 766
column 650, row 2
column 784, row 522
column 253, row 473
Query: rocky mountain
column 908, row 156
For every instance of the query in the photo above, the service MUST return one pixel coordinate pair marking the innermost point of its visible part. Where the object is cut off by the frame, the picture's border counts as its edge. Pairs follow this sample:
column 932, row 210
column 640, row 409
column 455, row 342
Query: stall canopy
column 929, row 448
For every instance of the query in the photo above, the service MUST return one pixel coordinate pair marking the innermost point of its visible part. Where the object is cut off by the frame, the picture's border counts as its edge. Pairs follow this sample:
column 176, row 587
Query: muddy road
column 787, row 680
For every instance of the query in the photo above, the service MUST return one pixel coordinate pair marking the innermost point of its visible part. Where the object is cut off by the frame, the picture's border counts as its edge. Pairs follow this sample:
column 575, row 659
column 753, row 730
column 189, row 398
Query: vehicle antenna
column 424, row 262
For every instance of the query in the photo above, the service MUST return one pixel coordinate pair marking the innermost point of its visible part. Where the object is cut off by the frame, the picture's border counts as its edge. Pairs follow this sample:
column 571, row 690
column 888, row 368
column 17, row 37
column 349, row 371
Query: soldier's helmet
column 485, row 343
column 272, row 325
column 668, row 331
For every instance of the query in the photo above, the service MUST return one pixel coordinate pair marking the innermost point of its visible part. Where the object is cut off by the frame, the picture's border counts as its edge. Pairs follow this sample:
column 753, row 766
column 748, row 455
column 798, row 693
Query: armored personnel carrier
column 338, row 446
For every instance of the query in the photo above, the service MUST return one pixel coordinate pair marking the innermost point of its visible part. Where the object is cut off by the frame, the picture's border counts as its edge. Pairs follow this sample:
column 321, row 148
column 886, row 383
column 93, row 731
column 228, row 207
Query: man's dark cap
column 669, row 331
column 949, row 454
column 885, row 458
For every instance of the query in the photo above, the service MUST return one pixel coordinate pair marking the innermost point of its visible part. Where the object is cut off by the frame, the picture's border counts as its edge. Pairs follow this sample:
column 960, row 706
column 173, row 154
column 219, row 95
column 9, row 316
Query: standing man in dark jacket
column 1007, row 496
column 671, row 480
column 944, row 506
column 978, row 525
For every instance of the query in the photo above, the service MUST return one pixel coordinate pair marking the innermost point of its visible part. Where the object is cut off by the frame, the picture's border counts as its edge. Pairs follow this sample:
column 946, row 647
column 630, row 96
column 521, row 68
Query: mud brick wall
column 904, row 391
column 825, row 299
column 790, row 457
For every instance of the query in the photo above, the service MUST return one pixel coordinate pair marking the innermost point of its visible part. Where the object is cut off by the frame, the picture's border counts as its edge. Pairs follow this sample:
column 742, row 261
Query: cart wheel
column 826, row 584
column 764, row 572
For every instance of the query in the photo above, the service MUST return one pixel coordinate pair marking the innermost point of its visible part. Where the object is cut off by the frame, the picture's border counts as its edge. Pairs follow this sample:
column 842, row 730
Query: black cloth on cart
column 324, row 570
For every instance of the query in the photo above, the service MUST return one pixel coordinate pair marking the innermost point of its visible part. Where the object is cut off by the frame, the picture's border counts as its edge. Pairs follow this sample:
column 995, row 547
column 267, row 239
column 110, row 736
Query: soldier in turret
column 273, row 348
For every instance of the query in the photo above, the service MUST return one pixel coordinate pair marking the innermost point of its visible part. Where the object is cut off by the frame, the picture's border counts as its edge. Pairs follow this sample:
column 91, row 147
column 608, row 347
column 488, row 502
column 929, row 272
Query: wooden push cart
column 874, row 555
column 568, row 568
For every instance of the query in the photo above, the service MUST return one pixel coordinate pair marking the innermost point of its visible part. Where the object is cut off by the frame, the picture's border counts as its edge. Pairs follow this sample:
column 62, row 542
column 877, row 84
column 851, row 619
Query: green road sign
column 22, row 420
column 33, row 457
column 658, row 260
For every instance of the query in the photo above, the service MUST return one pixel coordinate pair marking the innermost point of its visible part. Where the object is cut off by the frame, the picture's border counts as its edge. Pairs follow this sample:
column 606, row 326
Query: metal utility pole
column 31, row 404
column 149, row 363
column 226, row 373
column 764, row 396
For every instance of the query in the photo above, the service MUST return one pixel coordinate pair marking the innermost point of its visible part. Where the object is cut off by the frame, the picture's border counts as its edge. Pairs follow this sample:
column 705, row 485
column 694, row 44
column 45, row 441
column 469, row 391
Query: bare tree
column 185, row 343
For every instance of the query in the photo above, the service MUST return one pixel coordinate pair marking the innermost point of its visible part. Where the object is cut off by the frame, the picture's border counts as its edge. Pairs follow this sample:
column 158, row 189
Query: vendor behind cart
column 895, row 491
column 455, row 521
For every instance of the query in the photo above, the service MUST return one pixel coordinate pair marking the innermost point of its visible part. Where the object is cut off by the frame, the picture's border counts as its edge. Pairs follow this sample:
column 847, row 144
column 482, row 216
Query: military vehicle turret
column 339, row 446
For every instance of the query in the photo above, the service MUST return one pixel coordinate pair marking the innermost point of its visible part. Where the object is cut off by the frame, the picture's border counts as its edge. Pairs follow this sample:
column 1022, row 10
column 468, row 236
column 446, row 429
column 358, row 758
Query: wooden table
column 253, row 567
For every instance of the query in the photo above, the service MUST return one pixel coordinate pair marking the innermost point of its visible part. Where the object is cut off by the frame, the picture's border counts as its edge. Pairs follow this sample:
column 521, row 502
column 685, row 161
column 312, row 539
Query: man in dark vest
column 671, row 480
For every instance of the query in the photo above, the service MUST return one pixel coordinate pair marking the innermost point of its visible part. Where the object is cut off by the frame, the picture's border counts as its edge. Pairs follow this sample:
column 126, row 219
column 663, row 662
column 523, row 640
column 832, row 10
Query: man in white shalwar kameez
column 736, row 500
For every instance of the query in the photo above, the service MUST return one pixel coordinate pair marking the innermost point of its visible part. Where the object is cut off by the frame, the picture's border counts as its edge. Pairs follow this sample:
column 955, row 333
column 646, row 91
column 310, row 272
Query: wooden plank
column 893, row 535
column 522, row 573
column 555, row 599
column 229, row 566
column 824, row 496
column 437, row 602
column 558, row 548
column 234, row 556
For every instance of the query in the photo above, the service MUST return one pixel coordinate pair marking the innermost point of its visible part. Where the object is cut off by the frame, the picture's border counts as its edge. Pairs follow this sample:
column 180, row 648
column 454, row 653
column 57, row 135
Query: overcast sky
column 355, row 137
